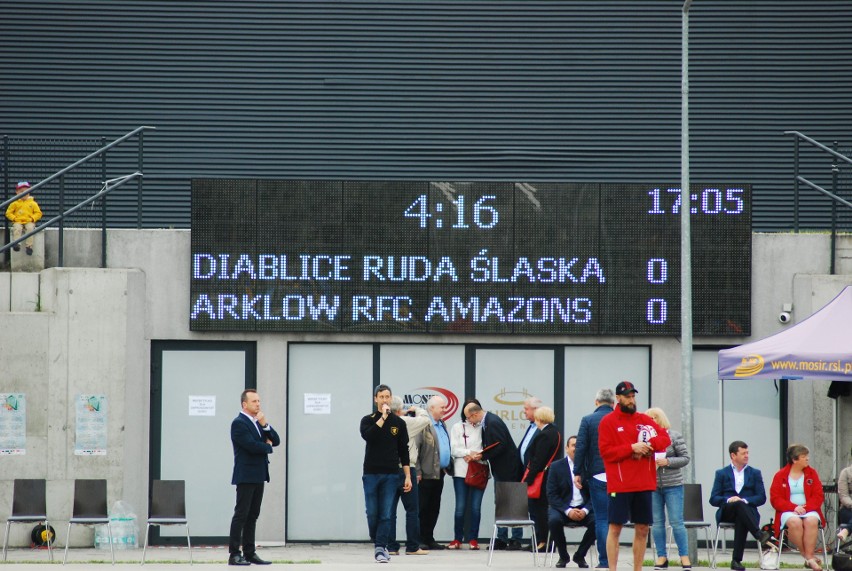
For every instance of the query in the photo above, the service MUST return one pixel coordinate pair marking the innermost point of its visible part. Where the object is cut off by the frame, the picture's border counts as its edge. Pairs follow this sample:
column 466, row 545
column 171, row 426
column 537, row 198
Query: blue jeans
column 411, row 503
column 669, row 500
column 467, row 496
column 600, row 503
column 503, row 533
column 379, row 490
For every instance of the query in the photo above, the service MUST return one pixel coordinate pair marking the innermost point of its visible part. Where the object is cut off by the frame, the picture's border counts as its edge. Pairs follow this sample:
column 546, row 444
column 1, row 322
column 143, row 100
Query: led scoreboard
column 466, row 257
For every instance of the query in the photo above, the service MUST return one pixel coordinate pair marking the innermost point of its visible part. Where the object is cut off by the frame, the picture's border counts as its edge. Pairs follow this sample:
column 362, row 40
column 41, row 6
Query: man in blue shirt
column 530, row 406
column 434, row 461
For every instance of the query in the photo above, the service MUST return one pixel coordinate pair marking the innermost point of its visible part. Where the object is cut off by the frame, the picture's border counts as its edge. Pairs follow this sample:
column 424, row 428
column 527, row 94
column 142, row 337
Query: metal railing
column 835, row 173
column 108, row 186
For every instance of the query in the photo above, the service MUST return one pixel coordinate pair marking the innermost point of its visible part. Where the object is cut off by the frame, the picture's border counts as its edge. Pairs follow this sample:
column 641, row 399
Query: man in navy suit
column 569, row 505
column 738, row 491
column 589, row 473
column 253, row 439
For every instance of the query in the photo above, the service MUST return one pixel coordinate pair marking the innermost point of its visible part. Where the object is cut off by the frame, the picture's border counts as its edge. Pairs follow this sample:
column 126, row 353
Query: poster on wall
column 91, row 430
column 317, row 403
column 202, row 405
column 13, row 424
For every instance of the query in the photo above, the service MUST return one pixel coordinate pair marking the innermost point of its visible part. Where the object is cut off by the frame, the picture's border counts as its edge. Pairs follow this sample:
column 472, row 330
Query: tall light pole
column 685, row 244
column 686, row 264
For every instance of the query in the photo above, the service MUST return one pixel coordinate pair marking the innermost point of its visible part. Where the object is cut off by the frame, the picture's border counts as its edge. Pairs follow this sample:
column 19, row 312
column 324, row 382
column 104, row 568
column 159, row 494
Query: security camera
column 786, row 313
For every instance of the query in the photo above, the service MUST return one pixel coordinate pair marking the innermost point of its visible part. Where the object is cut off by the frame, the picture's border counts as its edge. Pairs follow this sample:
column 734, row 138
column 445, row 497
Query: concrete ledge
column 21, row 262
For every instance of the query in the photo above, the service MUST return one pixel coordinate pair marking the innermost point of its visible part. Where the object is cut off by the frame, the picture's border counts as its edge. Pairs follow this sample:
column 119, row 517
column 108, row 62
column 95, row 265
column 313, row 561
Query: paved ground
column 304, row 556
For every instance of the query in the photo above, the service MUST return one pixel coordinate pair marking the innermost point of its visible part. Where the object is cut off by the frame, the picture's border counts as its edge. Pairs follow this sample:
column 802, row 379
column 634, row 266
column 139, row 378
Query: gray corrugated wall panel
column 525, row 90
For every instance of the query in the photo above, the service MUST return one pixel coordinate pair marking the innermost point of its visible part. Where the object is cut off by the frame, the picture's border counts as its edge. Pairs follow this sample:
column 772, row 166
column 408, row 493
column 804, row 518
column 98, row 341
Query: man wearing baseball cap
column 23, row 213
column 627, row 440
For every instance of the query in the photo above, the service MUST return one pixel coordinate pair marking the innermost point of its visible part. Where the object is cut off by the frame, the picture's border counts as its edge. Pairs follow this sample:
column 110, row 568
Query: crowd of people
column 622, row 466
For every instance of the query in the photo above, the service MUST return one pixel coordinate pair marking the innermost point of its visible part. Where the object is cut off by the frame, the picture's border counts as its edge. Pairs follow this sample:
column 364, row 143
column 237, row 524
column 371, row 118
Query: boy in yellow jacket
column 23, row 213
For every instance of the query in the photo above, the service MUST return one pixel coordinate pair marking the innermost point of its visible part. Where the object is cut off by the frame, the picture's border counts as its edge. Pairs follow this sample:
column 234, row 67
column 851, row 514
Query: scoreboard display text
column 465, row 257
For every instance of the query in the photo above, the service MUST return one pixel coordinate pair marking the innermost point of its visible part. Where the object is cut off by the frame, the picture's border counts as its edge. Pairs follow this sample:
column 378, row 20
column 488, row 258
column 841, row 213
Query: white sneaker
column 381, row 557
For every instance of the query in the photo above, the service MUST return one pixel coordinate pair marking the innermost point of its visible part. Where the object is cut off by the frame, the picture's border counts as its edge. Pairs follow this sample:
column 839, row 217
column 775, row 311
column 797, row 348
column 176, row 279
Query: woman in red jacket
column 797, row 496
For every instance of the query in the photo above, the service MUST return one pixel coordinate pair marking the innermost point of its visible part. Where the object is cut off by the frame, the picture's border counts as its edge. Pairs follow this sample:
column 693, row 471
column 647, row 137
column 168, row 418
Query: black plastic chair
column 90, row 508
column 693, row 516
column 720, row 530
column 29, row 505
column 511, row 510
column 168, row 507
column 551, row 544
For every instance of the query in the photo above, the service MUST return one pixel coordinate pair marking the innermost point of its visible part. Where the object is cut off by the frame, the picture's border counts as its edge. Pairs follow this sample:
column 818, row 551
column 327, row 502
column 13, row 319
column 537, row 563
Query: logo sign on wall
column 420, row 397
column 509, row 406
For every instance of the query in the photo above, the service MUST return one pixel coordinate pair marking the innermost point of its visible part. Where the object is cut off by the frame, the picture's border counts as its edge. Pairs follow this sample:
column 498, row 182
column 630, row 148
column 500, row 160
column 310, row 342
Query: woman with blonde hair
column 544, row 449
column 668, row 497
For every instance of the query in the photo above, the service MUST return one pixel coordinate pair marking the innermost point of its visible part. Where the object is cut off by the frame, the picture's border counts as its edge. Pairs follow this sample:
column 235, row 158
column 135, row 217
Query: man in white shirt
column 568, row 505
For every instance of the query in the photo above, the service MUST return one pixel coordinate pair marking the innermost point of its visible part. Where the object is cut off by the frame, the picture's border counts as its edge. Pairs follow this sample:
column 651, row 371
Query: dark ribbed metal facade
column 436, row 90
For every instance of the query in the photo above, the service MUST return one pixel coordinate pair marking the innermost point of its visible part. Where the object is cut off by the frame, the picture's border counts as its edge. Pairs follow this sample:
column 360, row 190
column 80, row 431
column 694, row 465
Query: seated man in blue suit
column 738, row 491
column 569, row 505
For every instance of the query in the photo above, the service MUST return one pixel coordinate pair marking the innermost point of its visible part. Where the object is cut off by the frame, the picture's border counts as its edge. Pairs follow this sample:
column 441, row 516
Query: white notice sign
column 317, row 403
column 202, row 405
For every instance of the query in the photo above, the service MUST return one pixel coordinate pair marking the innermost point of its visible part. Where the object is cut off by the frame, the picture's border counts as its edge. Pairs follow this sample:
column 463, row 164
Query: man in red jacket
column 627, row 440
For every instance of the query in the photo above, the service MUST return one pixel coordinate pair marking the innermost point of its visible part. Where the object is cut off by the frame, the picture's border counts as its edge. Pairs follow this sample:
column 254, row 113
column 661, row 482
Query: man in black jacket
column 503, row 458
column 386, row 452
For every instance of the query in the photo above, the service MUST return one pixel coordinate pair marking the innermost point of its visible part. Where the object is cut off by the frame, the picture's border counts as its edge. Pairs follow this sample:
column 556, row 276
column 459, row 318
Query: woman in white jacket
column 465, row 440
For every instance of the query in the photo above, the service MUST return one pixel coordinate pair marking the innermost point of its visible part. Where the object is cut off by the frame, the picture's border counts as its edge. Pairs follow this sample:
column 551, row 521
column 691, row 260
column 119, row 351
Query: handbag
column 770, row 559
column 841, row 561
column 534, row 489
column 477, row 472
column 477, row 475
